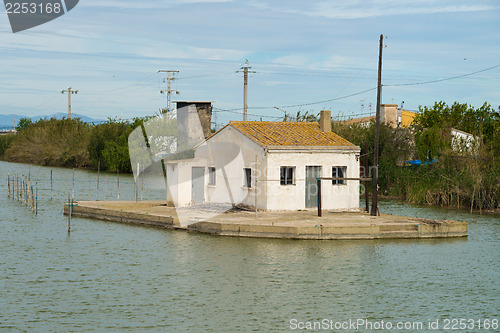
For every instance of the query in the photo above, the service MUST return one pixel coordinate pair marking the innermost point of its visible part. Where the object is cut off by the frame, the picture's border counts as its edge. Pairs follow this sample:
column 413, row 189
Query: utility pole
column 70, row 92
column 277, row 108
column 246, row 70
column 377, row 131
column 215, row 119
column 170, row 77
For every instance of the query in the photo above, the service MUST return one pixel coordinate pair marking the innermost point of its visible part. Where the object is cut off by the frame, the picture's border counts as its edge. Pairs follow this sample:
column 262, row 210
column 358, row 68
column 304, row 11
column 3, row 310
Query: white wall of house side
column 230, row 151
column 293, row 197
column 463, row 141
column 238, row 152
column 179, row 180
column 389, row 114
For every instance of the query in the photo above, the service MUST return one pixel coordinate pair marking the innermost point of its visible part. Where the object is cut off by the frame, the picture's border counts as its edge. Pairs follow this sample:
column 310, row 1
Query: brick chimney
column 325, row 121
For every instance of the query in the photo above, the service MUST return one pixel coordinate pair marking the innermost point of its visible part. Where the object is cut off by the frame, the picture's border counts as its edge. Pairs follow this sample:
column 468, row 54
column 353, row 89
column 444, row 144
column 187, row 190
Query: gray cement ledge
column 286, row 224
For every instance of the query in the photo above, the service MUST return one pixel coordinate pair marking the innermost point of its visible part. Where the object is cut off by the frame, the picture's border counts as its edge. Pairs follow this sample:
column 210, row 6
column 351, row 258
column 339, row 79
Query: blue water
column 109, row 277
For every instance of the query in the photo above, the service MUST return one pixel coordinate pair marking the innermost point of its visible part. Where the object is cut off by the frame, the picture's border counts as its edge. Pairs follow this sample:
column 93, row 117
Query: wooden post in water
column 32, row 199
column 98, row 173
column 51, row 187
column 28, row 192
column 105, row 186
column 88, row 193
column 255, row 184
column 137, row 186
column 69, row 215
column 367, row 185
column 73, row 190
column 142, row 182
column 136, row 189
column 320, row 213
column 36, row 201
column 25, row 191
column 118, row 181
column 8, row 184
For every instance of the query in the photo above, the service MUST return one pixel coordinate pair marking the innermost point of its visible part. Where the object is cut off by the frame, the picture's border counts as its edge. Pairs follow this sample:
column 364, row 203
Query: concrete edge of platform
column 442, row 230
column 415, row 228
column 121, row 216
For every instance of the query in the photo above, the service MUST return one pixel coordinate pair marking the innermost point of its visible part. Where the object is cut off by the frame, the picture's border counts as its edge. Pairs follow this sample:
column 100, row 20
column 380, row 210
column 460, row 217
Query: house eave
column 314, row 149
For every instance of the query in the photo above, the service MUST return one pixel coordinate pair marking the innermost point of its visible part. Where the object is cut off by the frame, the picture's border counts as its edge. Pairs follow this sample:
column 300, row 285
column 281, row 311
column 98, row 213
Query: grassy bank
column 70, row 143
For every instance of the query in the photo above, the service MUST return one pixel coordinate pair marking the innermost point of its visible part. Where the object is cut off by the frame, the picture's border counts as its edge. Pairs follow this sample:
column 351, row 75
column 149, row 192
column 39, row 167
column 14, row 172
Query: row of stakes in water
column 20, row 188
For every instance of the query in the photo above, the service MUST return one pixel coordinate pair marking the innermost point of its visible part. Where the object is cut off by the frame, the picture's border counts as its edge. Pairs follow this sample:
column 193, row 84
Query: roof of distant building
column 274, row 133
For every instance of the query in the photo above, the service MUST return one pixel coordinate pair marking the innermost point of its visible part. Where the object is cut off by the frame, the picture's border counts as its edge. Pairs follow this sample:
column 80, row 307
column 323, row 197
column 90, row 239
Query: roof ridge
column 274, row 133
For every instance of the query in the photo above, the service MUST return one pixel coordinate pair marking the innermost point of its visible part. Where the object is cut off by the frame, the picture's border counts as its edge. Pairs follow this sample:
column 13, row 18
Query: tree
column 23, row 124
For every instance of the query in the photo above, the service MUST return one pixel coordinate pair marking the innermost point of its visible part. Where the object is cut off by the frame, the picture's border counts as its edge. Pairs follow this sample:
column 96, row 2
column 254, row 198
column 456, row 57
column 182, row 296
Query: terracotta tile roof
column 274, row 133
column 358, row 120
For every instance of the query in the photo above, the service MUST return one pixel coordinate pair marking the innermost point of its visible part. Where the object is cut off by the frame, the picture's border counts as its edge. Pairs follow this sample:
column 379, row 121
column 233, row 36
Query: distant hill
column 7, row 120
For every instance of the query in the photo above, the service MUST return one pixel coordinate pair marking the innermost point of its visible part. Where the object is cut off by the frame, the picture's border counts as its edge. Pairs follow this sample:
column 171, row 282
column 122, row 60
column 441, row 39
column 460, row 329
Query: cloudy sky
column 307, row 55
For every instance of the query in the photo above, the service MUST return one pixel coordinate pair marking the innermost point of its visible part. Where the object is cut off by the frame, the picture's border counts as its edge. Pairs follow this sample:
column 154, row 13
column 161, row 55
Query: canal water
column 109, row 277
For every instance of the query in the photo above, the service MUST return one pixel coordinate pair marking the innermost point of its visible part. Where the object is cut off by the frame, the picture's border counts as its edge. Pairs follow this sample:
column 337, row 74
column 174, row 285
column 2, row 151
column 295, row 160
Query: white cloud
column 189, row 52
column 339, row 62
column 150, row 4
column 280, row 83
column 359, row 9
column 292, row 60
column 366, row 9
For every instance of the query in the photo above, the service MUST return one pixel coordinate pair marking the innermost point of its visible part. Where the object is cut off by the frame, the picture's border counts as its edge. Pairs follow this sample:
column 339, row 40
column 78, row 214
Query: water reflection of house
column 273, row 165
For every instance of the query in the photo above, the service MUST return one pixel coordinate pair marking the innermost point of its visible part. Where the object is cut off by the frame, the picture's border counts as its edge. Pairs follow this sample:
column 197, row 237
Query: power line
column 131, row 86
column 365, row 91
column 328, row 100
column 205, row 75
column 249, row 114
column 441, row 80
column 306, row 104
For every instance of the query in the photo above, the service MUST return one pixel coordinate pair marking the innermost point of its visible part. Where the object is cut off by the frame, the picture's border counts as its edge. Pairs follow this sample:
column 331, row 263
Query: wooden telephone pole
column 246, row 70
column 377, row 132
column 69, row 91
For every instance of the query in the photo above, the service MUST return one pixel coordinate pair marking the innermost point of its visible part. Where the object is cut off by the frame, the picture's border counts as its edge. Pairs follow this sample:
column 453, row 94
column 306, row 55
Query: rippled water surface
column 112, row 277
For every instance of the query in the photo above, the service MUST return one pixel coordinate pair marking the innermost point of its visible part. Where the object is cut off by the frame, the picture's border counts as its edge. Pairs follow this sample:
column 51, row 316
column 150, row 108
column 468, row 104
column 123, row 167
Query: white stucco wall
column 293, row 197
column 179, row 180
column 462, row 141
column 230, row 152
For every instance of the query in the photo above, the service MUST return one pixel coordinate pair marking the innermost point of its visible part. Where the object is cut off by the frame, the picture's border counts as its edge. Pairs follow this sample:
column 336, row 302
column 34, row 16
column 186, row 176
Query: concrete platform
column 289, row 224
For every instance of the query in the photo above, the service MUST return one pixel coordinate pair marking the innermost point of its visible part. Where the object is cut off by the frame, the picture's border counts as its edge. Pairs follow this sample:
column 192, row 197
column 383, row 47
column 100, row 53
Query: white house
column 462, row 141
column 269, row 165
